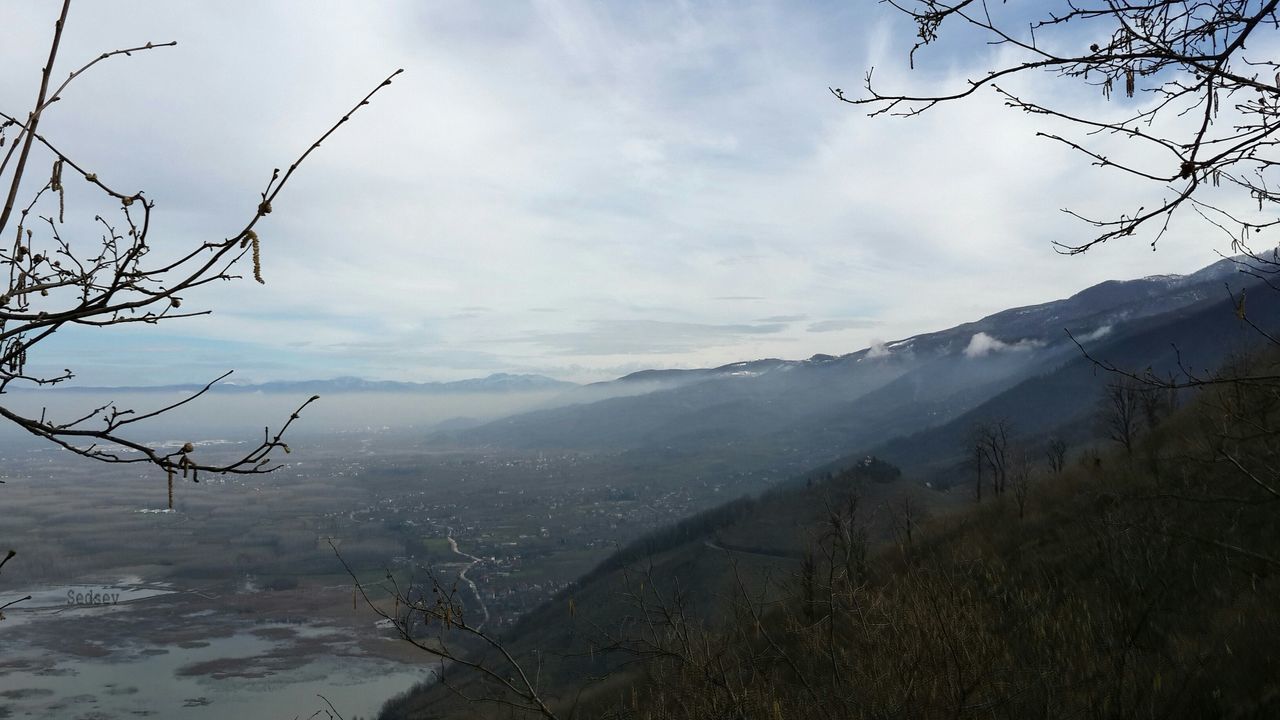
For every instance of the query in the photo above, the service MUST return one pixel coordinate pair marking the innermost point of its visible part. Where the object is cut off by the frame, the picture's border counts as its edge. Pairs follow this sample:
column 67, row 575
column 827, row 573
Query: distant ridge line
column 497, row 382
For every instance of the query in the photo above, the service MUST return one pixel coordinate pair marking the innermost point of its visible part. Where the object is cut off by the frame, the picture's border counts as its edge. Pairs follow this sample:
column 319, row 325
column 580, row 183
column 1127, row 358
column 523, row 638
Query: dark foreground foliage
column 1138, row 584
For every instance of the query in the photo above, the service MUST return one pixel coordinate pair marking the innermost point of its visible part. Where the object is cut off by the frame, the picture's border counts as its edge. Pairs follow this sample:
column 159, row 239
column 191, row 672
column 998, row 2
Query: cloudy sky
column 574, row 189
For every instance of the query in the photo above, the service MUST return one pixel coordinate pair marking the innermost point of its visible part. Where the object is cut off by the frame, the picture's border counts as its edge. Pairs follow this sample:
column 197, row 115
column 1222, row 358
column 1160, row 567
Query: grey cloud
column 843, row 324
column 620, row 337
column 391, row 352
column 521, row 148
column 740, row 259
column 585, row 373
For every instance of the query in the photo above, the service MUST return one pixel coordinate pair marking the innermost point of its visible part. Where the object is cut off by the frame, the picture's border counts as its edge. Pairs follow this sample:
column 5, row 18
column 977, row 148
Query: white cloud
column 1094, row 334
column 982, row 344
column 621, row 163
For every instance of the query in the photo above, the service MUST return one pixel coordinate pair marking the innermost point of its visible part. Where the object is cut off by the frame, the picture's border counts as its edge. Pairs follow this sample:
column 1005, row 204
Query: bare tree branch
column 49, row 282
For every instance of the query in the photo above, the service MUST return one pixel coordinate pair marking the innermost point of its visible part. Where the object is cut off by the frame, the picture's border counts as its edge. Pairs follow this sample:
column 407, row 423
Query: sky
column 580, row 190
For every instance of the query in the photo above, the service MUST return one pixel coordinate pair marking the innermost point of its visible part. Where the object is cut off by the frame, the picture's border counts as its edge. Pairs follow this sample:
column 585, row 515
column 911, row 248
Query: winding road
column 453, row 545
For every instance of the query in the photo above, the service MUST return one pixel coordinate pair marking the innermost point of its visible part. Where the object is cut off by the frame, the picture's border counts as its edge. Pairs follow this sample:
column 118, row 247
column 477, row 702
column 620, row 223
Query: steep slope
column 1116, row 588
column 715, row 554
column 1064, row 401
column 705, row 557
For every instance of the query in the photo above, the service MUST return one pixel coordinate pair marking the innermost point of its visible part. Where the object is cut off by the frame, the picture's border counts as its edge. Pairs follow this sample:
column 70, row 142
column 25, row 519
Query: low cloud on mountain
column 982, row 344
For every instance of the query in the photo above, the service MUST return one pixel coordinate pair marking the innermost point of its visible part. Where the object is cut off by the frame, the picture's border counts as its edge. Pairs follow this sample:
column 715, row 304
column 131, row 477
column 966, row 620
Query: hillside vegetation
column 1130, row 583
column 883, row 584
column 1135, row 584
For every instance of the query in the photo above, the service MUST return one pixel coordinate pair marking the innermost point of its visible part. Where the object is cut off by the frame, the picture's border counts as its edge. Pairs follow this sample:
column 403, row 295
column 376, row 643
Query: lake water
column 271, row 671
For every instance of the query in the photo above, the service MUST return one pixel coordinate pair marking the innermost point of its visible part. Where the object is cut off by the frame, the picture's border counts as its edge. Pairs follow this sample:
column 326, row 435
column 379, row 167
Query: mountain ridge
column 854, row 400
column 495, row 382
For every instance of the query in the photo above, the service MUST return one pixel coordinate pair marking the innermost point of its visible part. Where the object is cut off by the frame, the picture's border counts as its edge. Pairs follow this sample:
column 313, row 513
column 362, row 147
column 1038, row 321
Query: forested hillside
column 1129, row 584
column 1112, row 579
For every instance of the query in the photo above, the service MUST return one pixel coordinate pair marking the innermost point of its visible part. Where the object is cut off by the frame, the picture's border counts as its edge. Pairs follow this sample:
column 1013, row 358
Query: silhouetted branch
column 1185, row 57
column 49, row 282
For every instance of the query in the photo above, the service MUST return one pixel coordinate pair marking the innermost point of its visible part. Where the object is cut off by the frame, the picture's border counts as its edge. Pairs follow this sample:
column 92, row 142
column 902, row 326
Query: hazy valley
column 238, row 590
column 565, row 360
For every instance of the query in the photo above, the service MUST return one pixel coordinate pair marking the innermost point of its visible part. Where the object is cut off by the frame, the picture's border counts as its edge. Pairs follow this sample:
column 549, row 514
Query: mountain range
column 893, row 422
column 802, row 413
column 495, row 383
